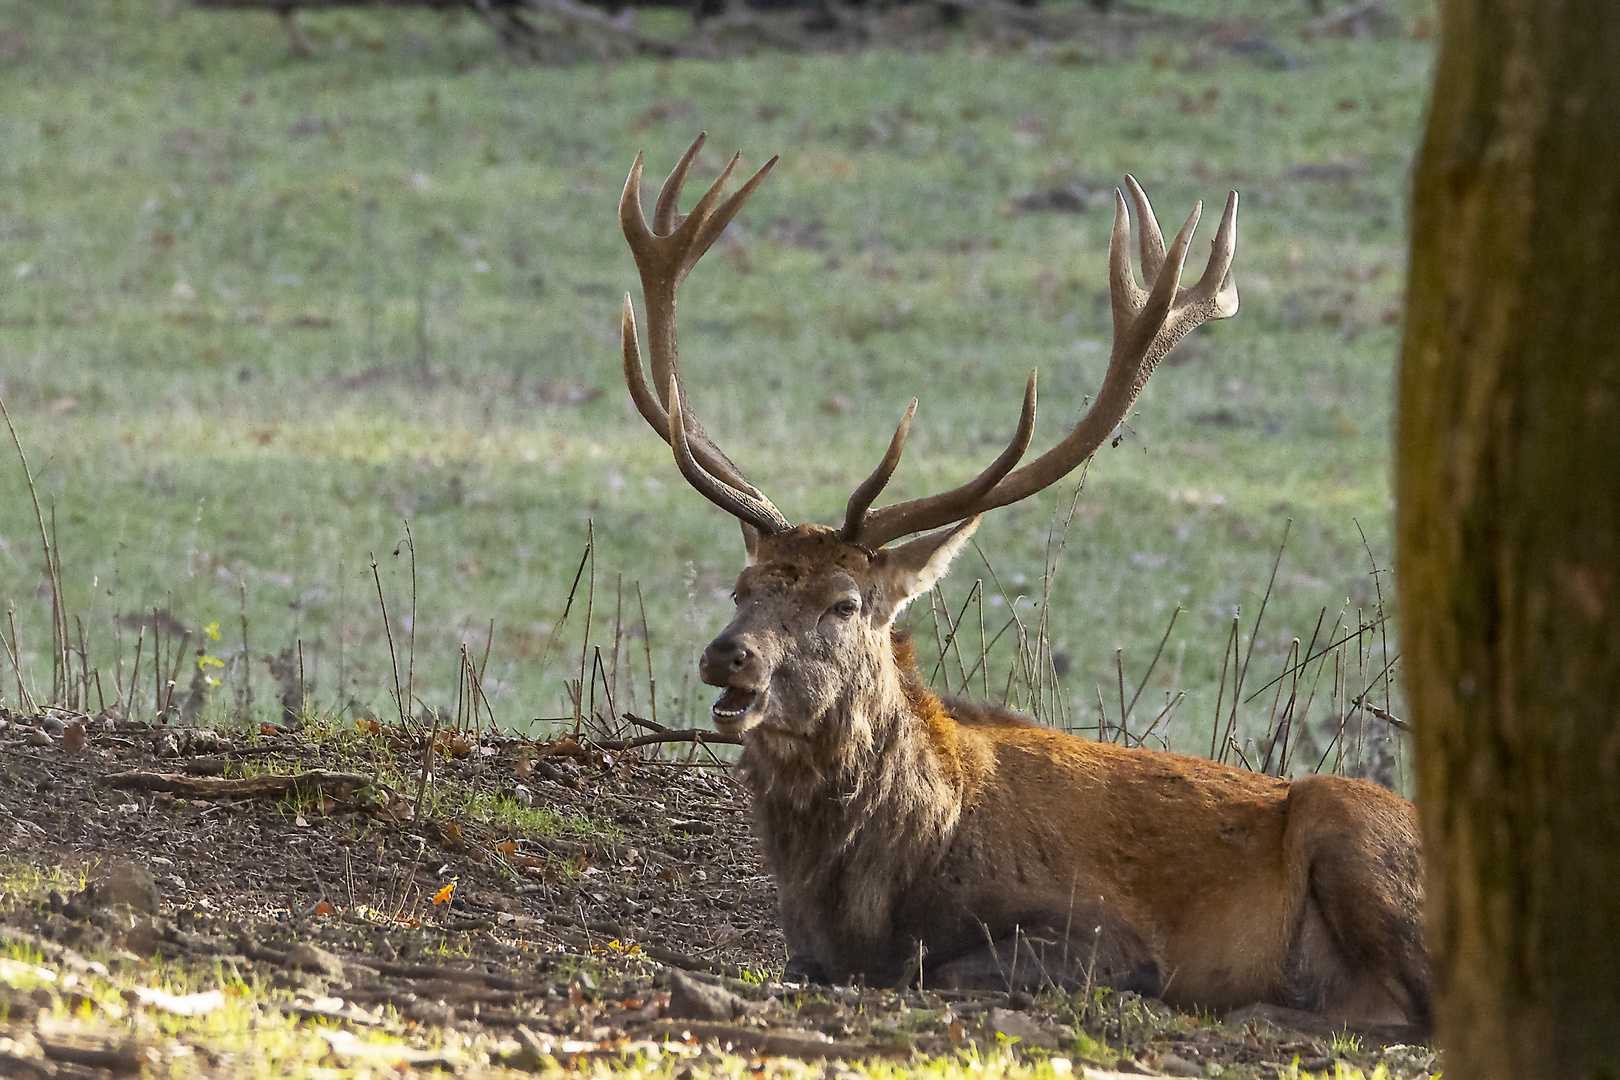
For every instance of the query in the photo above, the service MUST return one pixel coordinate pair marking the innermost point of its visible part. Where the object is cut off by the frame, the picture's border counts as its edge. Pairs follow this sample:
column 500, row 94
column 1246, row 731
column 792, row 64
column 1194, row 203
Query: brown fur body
column 902, row 829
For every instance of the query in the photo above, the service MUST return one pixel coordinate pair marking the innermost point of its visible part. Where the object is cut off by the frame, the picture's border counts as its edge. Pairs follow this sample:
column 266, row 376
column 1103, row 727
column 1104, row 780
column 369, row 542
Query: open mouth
column 731, row 711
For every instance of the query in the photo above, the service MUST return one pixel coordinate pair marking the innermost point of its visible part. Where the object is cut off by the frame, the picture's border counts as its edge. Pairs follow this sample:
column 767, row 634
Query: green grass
column 507, row 814
column 222, row 268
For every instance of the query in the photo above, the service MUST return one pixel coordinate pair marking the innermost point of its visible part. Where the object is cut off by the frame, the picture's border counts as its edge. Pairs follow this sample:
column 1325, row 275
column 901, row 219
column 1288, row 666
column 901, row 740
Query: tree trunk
column 1508, row 534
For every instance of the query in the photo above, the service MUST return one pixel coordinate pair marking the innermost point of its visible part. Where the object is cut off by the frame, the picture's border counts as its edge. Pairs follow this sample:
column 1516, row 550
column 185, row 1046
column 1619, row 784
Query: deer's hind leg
column 1107, row 952
column 1359, row 954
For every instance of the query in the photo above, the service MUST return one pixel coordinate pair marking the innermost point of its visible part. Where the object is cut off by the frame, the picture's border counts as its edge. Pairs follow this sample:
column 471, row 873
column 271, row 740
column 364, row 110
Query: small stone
column 126, row 884
column 312, row 958
column 692, row 999
column 1018, row 1025
column 143, row 936
column 436, row 1013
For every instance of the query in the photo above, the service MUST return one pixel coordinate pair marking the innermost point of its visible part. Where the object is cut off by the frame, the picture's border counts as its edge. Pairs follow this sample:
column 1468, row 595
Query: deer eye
column 847, row 608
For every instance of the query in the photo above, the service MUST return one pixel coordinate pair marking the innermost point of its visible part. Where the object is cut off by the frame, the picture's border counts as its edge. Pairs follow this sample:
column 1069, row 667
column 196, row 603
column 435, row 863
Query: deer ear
column 750, row 542
column 911, row 569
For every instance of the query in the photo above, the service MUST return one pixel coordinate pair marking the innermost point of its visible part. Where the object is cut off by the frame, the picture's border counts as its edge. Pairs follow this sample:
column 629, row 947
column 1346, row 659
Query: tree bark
column 1508, row 534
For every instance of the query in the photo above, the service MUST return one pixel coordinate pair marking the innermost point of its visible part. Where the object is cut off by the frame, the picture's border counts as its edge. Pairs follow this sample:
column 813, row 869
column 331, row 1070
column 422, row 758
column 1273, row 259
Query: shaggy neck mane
column 835, row 805
column 869, row 723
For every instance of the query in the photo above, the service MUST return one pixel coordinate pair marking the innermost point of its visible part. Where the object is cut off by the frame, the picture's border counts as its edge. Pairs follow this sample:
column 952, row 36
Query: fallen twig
column 681, row 735
column 266, row 786
column 658, row 733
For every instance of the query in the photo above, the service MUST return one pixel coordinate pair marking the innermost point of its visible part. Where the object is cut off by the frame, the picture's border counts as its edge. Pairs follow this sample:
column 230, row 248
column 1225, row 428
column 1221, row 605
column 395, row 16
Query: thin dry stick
column 338, row 704
column 590, row 607
column 984, row 653
column 59, row 619
column 134, row 674
column 1337, row 746
column 410, row 664
column 603, row 719
column 1276, row 727
column 25, row 700
column 551, row 638
column 1301, row 719
column 984, row 647
column 489, row 643
column 247, row 658
column 463, row 695
column 618, row 638
column 57, row 632
column 427, row 765
column 1333, row 703
column 646, row 641
column 975, row 594
column 1378, row 588
column 489, row 709
column 174, row 673
column 157, row 664
column 934, row 600
column 1336, row 643
column 1163, row 714
column 1315, row 683
column 1022, row 638
column 951, row 643
column 410, row 879
column 1220, row 695
column 1124, row 717
column 393, row 656
column 82, row 694
column 1058, row 696
column 1382, row 677
column 118, row 651
column 1049, row 574
column 1254, row 635
column 1154, row 663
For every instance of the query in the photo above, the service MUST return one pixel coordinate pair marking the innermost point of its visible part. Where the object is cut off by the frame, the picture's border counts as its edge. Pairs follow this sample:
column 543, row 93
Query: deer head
column 815, row 605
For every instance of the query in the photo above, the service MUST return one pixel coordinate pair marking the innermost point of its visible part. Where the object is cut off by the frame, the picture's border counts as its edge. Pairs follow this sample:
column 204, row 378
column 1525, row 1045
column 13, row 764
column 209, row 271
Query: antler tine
column 876, row 529
column 1147, row 324
column 1216, row 283
column 651, row 409
column 1136, row 346
column 664, row 254
column 715, row 223
column 754, row 510
column 1152, row 240
column 861, row 501
column 664, row 209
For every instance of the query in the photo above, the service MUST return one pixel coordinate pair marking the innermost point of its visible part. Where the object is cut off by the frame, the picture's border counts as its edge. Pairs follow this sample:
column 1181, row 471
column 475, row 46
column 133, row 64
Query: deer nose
column 725, row 657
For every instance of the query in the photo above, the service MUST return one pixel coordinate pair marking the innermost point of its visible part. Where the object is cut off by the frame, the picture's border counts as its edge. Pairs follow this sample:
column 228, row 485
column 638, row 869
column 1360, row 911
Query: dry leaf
column 73, row 736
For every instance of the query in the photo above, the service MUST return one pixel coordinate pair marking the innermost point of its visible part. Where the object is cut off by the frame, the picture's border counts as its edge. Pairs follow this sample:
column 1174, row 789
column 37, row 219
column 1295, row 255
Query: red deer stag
column 907, row 831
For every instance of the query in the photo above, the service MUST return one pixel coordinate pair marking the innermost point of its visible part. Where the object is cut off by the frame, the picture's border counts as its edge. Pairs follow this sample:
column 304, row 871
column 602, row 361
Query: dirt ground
column 557, row 903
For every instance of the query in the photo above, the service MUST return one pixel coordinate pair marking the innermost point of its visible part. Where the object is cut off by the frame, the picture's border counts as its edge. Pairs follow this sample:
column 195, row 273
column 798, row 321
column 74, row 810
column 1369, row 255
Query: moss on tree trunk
column 1508, row 522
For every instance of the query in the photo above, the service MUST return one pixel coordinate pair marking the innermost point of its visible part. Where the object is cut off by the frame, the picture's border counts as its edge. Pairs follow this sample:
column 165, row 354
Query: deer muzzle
column 732, row 663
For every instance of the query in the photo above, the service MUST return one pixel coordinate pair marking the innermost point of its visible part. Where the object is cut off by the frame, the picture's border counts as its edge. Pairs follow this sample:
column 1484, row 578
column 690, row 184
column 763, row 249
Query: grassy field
column 258, row 312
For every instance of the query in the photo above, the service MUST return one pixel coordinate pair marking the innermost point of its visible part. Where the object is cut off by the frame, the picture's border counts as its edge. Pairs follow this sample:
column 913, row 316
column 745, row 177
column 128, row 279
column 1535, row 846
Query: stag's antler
column 1147, row 325
column 665, row 254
